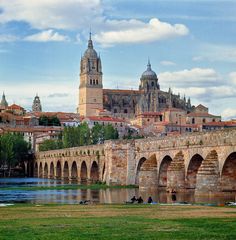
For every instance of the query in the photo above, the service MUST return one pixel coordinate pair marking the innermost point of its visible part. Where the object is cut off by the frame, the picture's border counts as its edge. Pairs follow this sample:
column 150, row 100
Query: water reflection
column 112, row 195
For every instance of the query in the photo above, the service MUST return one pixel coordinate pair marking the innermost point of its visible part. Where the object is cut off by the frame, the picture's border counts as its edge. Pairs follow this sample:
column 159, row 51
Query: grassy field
column 116, row 222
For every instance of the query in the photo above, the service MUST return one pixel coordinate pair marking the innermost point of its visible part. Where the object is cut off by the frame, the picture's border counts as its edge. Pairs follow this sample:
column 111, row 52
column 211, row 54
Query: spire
column 149, row 65
column 90, row 42
column 3, row 102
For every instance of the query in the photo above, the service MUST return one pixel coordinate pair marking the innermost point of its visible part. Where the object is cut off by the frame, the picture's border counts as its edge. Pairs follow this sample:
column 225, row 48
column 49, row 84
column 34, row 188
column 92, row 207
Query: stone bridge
column 200, row 161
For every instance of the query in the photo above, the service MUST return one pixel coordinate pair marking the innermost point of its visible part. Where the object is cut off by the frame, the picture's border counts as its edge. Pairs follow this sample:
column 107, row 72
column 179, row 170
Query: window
column 125, row 111
column 96, row 82
column 203, row 120
column 213, row 120
column 193, row 120
column 115, row 110
column 91, row 82
column 152, row 84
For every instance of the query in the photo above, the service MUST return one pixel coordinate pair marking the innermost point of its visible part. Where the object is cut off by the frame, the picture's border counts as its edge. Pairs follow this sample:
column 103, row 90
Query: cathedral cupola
column 149, row 80
column 37, row 107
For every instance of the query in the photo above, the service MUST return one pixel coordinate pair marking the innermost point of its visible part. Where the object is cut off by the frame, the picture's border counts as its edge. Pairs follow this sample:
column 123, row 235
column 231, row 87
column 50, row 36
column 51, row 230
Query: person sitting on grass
column 133, row 199
column 140, row 200
column 149, row 200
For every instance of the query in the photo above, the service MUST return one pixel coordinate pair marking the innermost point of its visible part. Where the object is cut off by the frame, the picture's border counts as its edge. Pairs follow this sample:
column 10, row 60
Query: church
column 127, row 104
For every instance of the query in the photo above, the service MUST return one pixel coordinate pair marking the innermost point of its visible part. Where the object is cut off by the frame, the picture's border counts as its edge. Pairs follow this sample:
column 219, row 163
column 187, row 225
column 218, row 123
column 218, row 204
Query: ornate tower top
column 37, row 107
column 4, row 102
column 149, row 79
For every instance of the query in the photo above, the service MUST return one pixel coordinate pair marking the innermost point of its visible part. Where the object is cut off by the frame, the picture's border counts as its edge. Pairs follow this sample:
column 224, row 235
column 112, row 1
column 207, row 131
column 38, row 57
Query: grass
column 26, row 221
column 66, row 187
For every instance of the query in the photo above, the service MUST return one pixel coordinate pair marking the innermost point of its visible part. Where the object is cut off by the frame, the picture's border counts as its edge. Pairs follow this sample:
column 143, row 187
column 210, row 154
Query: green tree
column 110, row 132
column 13, row 150
column 49, row 121
column 97, row 134
column 50, row 144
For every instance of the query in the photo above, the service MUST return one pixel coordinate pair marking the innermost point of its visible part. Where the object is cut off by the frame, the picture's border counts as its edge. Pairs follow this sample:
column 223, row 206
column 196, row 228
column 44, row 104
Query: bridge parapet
column 90, row 150
column 216, row 138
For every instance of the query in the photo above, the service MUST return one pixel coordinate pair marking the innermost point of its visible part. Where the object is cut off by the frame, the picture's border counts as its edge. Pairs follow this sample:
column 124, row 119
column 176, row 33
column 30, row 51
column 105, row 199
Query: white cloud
column 154, row 30
column 191, row 77
column 46, row 36
column 221, row 53
column 167, row 63
column 58, row 14
column 7, row 38
column 197, row 58
column 229, row 113
column 232, row 77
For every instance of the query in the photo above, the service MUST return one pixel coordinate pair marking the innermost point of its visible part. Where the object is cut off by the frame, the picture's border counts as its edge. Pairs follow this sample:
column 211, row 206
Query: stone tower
column 3, row 103
column 90, row 88
column 37, row 107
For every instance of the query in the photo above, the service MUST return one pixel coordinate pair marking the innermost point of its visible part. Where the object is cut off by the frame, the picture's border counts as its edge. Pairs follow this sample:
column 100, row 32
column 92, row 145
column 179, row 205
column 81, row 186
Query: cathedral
column 93, row 99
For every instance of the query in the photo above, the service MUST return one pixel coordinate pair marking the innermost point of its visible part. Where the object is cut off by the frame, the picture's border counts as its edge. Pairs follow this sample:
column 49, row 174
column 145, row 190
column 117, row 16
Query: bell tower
column 90, row 88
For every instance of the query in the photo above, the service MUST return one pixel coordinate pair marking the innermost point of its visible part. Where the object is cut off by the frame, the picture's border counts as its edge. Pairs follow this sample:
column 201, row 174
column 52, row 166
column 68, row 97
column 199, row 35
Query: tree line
column 81, row 136
column 13, row 151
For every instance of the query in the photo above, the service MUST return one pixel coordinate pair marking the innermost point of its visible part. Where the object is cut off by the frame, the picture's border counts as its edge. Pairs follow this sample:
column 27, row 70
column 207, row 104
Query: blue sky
column 191, row 45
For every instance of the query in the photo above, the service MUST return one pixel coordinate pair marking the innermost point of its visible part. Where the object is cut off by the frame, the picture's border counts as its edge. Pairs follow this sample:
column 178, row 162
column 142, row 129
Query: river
column 109, row 195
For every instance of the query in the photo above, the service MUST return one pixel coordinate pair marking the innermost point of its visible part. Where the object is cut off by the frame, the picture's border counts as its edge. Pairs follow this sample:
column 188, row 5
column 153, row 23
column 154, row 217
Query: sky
column 191, row 46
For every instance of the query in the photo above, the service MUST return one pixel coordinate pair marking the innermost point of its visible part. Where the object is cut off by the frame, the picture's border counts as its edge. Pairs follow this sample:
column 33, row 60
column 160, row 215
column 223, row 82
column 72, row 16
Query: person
column 133, row 199
column 140, row 200
column 173, row 195
column 149, row 200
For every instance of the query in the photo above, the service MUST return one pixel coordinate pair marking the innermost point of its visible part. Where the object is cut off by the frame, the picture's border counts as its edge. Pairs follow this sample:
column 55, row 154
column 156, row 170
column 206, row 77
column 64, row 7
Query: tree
column 49, row 121
column 13, row 150
column 50, row 144
column 110, row 132
column 97, row 134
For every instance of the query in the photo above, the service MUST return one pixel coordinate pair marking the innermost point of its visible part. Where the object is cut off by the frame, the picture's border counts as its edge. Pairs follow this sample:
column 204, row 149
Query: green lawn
column 117, row 222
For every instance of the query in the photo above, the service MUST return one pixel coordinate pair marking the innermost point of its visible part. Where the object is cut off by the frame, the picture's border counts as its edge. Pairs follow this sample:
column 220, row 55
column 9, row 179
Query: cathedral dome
column 90, row 52
column 149, row 74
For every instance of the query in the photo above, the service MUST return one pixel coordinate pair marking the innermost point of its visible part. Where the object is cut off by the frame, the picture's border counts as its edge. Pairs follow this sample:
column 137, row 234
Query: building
column 122, row 103
column 37, row 107
column 3, row 103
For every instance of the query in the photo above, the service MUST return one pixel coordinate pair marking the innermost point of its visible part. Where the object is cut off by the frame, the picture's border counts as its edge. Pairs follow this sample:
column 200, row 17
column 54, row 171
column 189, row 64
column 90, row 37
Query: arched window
column 204, row 120
column 152, row 84
column 125, row 111
column 193, row 120
column 91, row 82
column 96, row 82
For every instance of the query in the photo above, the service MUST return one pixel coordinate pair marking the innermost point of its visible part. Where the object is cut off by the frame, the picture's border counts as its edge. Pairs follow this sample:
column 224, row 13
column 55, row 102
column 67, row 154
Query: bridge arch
column 94, row 172
column 148, row 174
column 45, row 170
column 40, row 170
column 163, row 169
column 66, row 170
column 52, row 171
column 74, row 171
column 208, row 173
column 83, row 172
column 58, row 170
column 228, row 174
column 176, row 172
column 192, row 170
column 140, row 163
column 36, row 170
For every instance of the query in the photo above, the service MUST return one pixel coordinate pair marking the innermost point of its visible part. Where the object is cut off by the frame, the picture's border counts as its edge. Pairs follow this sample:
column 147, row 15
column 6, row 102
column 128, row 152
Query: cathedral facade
column 122, row 103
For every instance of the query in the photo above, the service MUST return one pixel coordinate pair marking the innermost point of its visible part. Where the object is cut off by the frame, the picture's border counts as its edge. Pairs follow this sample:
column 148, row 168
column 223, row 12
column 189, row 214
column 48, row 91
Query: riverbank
column 97, row 186
column 28, row 221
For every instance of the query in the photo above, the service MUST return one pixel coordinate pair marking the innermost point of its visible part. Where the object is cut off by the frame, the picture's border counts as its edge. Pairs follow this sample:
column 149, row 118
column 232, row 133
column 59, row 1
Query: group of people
column 140, row 200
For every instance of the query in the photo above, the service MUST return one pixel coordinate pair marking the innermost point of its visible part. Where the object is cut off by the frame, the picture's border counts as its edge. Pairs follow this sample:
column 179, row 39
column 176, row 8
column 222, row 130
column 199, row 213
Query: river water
column 110, row 195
